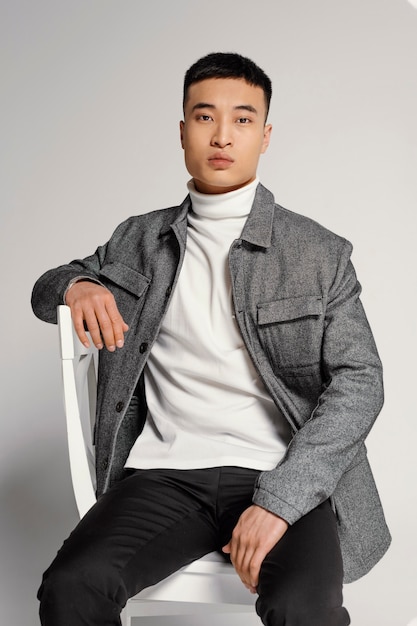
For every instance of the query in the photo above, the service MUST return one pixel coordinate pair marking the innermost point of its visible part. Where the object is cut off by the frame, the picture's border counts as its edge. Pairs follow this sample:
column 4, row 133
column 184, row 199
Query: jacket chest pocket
column 127, row 285
column 291, row 331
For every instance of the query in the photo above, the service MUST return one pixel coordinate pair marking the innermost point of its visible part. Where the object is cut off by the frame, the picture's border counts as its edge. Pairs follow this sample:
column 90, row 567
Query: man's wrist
column 78, row 279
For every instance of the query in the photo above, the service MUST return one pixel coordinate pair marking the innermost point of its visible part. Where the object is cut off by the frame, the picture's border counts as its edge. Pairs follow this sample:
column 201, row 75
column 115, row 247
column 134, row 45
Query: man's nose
column 222, row 136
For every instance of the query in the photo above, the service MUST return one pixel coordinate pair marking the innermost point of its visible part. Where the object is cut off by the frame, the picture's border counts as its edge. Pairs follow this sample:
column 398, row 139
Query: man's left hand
column 255, row 534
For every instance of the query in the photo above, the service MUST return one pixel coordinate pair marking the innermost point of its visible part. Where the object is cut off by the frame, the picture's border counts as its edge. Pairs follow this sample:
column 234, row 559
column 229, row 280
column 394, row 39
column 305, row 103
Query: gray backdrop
column 90, row 108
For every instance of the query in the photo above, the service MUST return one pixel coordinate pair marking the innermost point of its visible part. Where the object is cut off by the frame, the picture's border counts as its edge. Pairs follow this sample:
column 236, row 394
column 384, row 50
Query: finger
column 246, row 560
column 82, row 300
column 78, row 318
column 237, row 557
column 253, row 569
column 94, row 328
column 78, row 322
column 227, row 549
column 105, row 326
column 245, row 570
column 111, row 323
column 118, row 325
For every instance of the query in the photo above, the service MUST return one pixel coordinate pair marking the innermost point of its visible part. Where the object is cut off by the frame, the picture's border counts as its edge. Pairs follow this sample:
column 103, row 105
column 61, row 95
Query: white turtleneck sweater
column 207, row 406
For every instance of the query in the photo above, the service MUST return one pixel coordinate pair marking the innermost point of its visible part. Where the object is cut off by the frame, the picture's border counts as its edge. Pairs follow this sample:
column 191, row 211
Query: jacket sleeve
column 324, row 448
column 50, row 288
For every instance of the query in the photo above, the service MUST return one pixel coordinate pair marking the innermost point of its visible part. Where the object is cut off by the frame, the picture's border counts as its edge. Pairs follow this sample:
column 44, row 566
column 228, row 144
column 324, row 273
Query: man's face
column 223, row 133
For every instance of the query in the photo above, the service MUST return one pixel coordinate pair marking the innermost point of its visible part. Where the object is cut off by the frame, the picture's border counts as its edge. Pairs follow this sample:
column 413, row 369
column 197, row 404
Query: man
column 239, row 381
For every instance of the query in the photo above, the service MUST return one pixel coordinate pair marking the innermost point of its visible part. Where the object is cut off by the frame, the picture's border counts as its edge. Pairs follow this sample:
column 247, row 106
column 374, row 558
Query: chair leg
column 125, row 617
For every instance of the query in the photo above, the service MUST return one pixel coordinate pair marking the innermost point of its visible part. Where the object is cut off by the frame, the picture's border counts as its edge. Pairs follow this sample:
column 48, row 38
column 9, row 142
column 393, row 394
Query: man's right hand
column 95, row 305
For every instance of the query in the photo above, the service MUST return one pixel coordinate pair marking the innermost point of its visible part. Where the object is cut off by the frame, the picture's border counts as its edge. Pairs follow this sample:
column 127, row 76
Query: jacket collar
column 258, row 226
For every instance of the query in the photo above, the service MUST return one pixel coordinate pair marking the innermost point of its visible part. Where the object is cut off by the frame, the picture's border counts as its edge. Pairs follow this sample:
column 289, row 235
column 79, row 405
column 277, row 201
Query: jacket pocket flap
column 289, row 309
column 125, row 277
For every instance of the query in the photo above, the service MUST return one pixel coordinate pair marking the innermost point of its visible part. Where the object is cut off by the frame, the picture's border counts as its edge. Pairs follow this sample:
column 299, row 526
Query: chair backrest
column 79, row 374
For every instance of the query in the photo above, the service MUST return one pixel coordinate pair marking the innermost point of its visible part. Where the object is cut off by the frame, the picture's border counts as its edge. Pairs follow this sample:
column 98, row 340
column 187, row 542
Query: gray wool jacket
column 296, row 301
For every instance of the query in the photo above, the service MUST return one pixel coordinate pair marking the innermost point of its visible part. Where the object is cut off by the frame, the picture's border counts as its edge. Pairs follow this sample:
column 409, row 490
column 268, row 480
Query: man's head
column 226, row 101
column 228, row 65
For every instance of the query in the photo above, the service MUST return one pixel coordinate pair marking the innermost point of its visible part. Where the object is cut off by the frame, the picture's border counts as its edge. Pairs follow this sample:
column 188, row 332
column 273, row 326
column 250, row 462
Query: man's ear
column 182, row 133
column 267, row 137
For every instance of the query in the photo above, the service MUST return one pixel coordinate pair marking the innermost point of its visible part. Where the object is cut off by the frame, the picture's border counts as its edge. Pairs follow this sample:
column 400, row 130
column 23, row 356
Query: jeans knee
column 68, row 594
column 58, row 582
column 59, row 595
column 306, row 610
column 303, row 615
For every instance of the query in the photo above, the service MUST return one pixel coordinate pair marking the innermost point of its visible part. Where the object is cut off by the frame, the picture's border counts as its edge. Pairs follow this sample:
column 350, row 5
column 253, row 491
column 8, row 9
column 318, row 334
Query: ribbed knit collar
column 233, row 204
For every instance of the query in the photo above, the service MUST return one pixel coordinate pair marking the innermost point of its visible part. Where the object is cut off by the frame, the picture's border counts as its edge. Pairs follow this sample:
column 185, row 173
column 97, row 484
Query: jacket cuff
column 270, row 502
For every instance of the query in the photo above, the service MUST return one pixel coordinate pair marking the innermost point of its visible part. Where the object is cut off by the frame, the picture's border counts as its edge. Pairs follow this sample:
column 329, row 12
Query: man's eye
column 243, row 120
column 204, row 118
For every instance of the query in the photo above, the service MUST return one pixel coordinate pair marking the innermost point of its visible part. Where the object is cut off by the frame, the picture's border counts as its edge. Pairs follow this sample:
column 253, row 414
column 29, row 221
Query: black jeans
column 155, row 521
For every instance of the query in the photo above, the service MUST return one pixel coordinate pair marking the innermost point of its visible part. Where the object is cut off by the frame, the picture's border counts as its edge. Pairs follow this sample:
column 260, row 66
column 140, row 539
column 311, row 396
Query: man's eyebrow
column 239, row 107
column 203, row 105
column 246, row 107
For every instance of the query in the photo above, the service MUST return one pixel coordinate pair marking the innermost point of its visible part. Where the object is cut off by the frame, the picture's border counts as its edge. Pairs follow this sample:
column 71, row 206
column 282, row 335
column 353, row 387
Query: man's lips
column 220, row 159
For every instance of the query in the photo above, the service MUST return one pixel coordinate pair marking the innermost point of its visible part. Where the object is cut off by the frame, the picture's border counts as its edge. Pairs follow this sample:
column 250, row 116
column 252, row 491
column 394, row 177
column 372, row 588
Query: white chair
column 208, row 585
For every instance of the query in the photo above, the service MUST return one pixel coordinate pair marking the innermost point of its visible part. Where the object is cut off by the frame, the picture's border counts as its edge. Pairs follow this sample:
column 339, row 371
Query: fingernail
column 119, row 343
column 99, row 346
column 111, row 348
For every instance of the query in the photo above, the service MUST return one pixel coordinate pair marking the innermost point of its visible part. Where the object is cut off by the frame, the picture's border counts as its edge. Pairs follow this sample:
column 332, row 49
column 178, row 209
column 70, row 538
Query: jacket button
column 120, row 407
column 143, row 347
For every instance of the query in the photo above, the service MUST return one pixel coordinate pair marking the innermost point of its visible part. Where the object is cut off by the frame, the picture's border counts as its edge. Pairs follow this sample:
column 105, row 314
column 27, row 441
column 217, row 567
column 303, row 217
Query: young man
column 238, row 385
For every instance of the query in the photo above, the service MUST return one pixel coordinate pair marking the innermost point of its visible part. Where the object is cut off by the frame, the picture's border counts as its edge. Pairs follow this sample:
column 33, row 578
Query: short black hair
column 228, row 65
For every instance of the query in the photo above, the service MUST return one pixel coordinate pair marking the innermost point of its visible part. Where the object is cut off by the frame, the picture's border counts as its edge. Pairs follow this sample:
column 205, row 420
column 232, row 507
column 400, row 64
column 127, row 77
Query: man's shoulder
column 158, row 219
column 296, row 233
column 299, row 223
column 156, row 216
column 296, row 226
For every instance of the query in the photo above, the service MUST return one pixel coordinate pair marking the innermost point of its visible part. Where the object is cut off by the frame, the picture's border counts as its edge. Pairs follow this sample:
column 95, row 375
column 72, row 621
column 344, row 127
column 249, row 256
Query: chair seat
column 208, row 585
column 208, row 580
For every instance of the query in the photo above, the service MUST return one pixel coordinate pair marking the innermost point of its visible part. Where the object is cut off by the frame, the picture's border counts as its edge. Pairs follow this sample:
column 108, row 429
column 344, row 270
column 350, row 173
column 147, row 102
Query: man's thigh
column 147, row 526
column 301, row 578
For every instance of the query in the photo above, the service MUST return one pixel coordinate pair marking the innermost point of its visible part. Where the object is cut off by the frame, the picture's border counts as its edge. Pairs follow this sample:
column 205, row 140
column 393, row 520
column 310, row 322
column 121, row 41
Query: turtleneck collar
column 232, row 204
